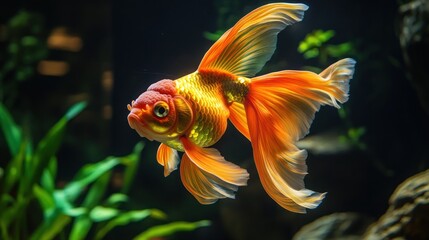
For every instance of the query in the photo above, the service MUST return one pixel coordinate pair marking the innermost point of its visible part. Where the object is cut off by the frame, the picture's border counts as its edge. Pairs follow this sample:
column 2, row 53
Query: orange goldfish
column 272, row 111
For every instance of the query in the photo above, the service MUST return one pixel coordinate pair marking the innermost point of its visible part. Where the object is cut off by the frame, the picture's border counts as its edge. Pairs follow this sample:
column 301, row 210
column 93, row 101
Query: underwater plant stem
column 4, row 234
column 1, row 89
column 323, row 56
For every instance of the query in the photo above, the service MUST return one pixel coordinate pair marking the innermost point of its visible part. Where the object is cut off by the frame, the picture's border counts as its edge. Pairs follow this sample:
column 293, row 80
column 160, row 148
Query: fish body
column 273, row 111
column 211, row 93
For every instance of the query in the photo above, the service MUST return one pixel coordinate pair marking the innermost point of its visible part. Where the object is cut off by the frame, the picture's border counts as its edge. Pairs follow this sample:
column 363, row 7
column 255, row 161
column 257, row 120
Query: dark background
column 142, row 42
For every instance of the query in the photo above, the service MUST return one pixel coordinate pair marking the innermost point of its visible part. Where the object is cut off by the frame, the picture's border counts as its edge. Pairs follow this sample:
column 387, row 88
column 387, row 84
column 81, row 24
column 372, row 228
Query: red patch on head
column 165, row 86
column 159, row 91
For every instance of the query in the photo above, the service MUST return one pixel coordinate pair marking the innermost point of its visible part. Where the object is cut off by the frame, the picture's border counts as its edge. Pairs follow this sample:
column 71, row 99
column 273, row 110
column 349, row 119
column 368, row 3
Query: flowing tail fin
column 280, row 107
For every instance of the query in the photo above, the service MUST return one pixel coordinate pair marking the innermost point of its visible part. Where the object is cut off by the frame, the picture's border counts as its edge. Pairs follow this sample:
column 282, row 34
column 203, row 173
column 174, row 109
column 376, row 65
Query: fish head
column 160, row 113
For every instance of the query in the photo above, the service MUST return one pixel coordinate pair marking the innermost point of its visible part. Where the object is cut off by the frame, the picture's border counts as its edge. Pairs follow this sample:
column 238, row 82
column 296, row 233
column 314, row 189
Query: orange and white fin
column 207, row 175
column 237, row 115
column 280, row 107
column 205, row 187
column 245, row 48
column 167, row 157
column 339, row 74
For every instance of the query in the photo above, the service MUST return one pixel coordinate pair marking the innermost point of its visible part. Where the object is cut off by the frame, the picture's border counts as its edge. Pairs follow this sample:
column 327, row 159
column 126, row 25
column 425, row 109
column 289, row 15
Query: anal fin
column 207, row 175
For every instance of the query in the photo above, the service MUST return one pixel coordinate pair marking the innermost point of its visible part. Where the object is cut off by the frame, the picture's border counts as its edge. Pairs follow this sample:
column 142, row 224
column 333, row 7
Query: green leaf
column 14, row 211
column 75, row 110
column 13, row 48
column 99, row 213
column 75, row 212
column 311, row 53
column 80, row 228
column 29, row 41
column 83, row 223
column 340, row 50
column 14, row 171
column 20, row 19
column 45, row 199
column 356, row 133
column 324, row 36
column 88, row 174
column 303, row 46
column 97, row 191
column 48, row 176
column 62, row 203
column 51, row 228
column 116, row 198
column 128, row 217
column 213, row 36
column 342, row 113
column 47, row 148
column 11, row 131
column 131, row 161
column 313, row 41
column 171, row 228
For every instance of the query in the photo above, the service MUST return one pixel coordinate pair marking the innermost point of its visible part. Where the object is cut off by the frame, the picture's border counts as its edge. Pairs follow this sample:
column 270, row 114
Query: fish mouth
column 137, row 123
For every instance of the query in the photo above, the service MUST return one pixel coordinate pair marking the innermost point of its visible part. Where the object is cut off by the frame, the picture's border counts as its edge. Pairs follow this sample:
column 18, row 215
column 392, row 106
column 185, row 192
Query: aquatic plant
column 315, row 45
column 22, row 45
column 228, row 12
column 83, row 208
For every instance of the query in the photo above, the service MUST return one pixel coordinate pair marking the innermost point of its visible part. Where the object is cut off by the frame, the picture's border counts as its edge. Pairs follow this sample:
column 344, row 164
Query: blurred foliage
column 170, row 228
column 228, row 13
column 32, row 207
column 315, row 45
column 22, row 45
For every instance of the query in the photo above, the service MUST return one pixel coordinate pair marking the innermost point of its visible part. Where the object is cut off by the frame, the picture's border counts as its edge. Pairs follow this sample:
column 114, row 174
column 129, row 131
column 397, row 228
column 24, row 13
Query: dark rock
column 414, row 39
column 408, row 214
column 344, row 226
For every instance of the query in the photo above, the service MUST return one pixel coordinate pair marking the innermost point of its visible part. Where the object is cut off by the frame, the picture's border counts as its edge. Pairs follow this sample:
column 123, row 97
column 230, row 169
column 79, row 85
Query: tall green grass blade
column 75, row 110
column 171, row 228
column 83, row 223
column 12, row 209
column 131, row 161
column 11, row 131
column 48, row 147
column 80, row 228
column 13, row 212
column 128, row 217
column 49, row 229
column 97, row 191
column 48, row 176
column 88, row 174
column 13, row 172
column 46, row 200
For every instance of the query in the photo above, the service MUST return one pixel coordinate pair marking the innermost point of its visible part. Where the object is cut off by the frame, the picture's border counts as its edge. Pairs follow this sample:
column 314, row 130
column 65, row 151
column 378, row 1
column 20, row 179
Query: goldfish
column 272, row 111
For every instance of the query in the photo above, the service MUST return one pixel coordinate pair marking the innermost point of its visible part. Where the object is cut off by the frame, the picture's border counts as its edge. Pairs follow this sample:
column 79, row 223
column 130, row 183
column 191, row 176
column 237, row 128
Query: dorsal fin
column 245, row 48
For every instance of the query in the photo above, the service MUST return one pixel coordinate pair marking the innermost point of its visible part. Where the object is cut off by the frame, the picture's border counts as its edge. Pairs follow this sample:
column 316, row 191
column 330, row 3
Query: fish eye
column 161, row 109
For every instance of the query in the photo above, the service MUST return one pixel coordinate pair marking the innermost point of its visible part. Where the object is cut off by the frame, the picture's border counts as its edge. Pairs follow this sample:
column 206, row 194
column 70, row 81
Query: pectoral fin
column 167, row 157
